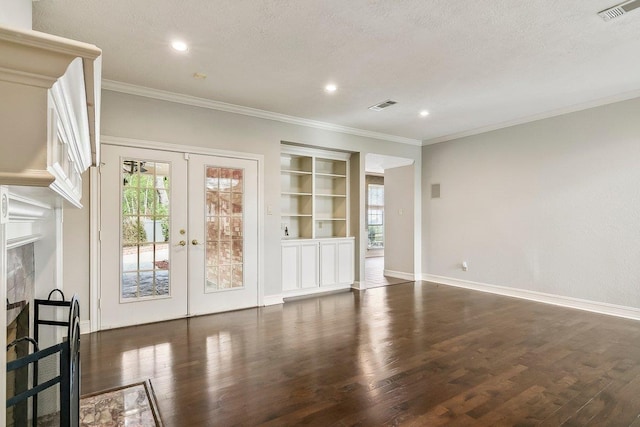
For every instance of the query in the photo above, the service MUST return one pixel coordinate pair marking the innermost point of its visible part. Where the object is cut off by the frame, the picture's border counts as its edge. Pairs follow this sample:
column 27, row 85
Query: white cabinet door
column 328, row 263
column 336, row 262
column 290, row 266
column 309, row 265
column 345, row 261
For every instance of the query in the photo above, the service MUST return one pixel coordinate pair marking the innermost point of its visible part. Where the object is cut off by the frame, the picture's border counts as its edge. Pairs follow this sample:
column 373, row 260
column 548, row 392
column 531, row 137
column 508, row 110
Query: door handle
column 194, row 242
column 182, row 243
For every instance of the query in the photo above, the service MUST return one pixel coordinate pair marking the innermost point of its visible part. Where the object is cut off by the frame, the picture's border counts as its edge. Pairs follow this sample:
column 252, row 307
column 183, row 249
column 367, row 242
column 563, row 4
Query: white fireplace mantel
column 49, row 135
column 49, row 111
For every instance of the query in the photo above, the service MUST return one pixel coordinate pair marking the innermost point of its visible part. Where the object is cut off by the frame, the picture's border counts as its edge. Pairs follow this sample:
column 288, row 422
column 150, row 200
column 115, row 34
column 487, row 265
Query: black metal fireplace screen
column 69, row 349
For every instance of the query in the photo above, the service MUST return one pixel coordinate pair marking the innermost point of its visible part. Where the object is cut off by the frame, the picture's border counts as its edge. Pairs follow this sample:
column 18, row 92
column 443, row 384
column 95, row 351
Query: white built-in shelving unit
column 314, row 193
column 317, row 251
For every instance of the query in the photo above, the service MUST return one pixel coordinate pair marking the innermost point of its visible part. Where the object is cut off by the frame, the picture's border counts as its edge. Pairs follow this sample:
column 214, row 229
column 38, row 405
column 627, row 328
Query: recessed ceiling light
column 180, row 46
column 424, row 113
column 331, row 88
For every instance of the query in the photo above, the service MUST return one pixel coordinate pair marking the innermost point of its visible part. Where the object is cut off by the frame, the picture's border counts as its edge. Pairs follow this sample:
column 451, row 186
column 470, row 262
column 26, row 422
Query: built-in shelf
column 292, row 172
column 317, row 252
column 331, row 175
column 314, row 189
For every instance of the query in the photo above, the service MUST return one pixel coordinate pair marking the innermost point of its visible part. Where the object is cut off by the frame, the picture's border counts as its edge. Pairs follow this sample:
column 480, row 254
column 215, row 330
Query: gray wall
column 129, row 116
column 549, row 206
column 399, row 231
column 16, row 13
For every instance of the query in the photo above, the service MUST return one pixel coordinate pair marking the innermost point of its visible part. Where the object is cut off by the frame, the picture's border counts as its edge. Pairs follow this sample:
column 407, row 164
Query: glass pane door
column 143, row 236
column 223, row 233
column 224, row 225
column 145, row 229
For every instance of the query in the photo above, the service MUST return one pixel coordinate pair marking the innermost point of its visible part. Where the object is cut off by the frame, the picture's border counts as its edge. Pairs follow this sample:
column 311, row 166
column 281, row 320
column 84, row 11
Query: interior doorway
column 375, row 215
column 382, row 225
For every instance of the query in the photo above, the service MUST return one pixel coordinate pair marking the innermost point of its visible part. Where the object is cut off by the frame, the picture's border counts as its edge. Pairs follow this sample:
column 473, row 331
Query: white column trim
column 94, row 249
column 3, row 316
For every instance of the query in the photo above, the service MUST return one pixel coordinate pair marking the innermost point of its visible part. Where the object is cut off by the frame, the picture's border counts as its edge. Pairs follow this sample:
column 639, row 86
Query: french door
column 178, row 235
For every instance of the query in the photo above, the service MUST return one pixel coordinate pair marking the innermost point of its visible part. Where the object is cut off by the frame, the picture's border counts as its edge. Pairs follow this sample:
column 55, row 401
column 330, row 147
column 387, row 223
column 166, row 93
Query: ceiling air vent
column 619, row 10
column 388, row 103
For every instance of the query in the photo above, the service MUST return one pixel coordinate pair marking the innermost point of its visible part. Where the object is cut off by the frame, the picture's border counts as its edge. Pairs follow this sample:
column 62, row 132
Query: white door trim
column 94, row 248
column 94, row 285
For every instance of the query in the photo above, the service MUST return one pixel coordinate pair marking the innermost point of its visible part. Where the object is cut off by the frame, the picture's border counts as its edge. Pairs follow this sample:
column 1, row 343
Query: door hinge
column 186, row 156
column 99, row 303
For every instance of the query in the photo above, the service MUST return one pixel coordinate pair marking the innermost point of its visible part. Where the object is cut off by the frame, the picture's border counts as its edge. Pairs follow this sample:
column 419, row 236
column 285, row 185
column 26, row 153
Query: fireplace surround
column 20, row 294
column 50, row 116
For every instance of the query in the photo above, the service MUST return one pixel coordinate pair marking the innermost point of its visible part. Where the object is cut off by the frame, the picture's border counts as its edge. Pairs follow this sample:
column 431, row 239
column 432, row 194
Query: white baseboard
column 85, row 327
column 316, row 291
column 577, row 303
column 400, row 275
column 272, row 300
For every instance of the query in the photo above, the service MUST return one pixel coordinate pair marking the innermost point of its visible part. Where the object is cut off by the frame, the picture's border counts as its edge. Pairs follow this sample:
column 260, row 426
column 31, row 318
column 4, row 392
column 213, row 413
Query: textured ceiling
column 472, row 64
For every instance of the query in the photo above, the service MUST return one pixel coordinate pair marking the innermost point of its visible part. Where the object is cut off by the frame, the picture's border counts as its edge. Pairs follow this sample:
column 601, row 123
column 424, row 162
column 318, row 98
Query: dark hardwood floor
column 409, row 354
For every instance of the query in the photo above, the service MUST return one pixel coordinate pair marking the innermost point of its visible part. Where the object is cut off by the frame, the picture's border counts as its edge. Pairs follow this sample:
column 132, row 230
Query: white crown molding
column 49, row 42
column 25, row 209
column 546, row 115
column 559, row 300
column 146, row 92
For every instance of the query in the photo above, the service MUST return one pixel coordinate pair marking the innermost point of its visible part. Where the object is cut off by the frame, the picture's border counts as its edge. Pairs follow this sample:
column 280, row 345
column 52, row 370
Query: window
column 375, row 215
